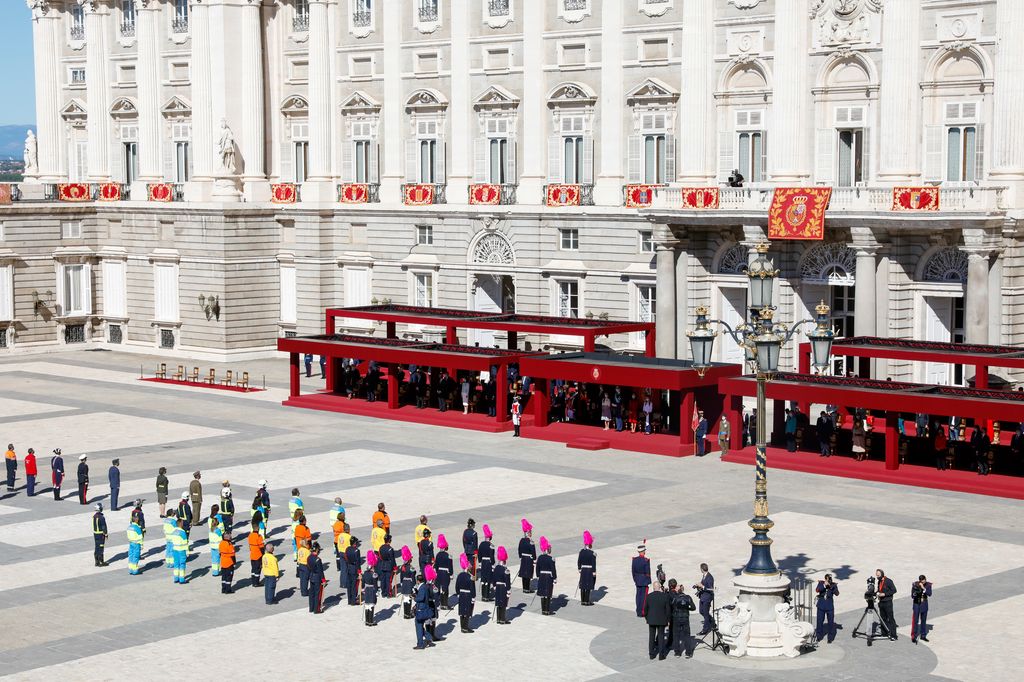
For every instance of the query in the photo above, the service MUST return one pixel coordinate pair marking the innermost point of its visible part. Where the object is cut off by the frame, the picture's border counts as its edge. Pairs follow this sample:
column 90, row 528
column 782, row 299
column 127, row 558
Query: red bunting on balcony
column 798, row 212
column 5, row 194
column 563, row 195
column 354, row 193
column 110, row 191
column 487, row 194
column 419, row 195
column 160, row 191
column 700, row 197
column 639, row 196
column 283, row 193
column 915, row 198
column 73, row 191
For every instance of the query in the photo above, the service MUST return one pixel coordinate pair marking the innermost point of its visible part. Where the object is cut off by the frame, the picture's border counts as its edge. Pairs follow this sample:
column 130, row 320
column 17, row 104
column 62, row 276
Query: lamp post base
column 762, row 624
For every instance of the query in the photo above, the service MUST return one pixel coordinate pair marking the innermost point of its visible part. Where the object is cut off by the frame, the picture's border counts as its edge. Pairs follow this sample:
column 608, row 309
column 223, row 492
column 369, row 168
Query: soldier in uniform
column 547, row 576
column 407, row 582
column 184, row 514
column 466, row 590
column 386, row 566
column 919, row 594
column 486, row 554
column 195, row 496
column 826, row 592
column 702, row 433
column 586, row 564
column 681, row 607
column 114, row 479
column 444, row 566
column 423, row 613
column 502, row 584
column 641, row 578
column 431, row 576
column 370, row 588
column 56, row 473
column 706, row 595
column 99, row 534
column 83, row 479
column 344, row 541
column 527, row 556
column 354, row 563
column 471, row 545
column 724, row 430
column 315, row 566
column 426, row 550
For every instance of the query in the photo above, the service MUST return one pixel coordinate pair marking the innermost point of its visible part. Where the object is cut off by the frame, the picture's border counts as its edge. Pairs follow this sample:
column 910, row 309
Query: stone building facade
column 860, row 95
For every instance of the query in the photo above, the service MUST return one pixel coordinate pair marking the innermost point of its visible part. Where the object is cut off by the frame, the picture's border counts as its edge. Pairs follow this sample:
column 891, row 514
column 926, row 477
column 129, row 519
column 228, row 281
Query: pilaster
column 696, row 111
column 318, row 187
column 46, row 25
column 533, row 175
column 1008, row 99
column 200, row 69
column 608, row 187
column 900, row 96
column 254, row 173
column 792, row 97
column 393, row 174
column 665, row 317
column 97, row 91
column 463, row 131
column 148, row 14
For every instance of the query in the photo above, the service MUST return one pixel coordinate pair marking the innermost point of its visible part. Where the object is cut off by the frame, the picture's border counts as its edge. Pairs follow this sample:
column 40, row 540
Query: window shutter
column 59, row 304
column 726, row 162
column 169, row 156
column 373, row 172
column 933, row 152
column 348, row 168
column 824, row 171
column 555, row 159
column 634, row 158
column 510, row 162
column 480, row 160
column 979, row 153
column 670, row 159
column 587, row 178
column 87, row 289
column 764, row 155
column 412, row 160
column 440, row 173
column 6, row 294
column 865, row 159
column 287, row 161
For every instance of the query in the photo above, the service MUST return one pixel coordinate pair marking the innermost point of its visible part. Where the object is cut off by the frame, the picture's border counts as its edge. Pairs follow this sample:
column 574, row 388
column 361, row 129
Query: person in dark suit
column 83, row 480
column 641, row 578
column 826, row 592
column 701, row 435
column 886, row 589
column 307, row 360
column 981, row 444
column 825, row 428
column 919, row 594
column 316, row 579
column 681, row 607
column 114, row 478
column 658, row 614
column 752, row 428
column 706, row 595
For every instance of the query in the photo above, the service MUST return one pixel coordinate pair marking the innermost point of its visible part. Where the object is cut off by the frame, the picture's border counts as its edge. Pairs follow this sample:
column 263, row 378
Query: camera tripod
column 874, row 621
column 715, row 635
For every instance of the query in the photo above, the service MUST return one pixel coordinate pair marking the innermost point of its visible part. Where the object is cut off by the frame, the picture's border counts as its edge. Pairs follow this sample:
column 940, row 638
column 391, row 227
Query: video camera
column 869, row 591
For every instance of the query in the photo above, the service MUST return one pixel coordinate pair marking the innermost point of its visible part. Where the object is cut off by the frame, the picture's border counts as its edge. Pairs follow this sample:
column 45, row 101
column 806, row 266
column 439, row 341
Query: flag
column 696, row 418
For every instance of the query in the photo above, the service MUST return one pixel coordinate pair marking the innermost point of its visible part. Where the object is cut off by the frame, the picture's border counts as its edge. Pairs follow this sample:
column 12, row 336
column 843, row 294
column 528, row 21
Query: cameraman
column 919, row 593
column 826, row 591
column 884, row 591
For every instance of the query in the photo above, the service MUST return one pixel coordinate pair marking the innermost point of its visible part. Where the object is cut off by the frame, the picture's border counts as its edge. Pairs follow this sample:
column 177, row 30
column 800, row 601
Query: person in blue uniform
column 445, row 567
column 701, row 436
column 826, row 592
column 919, row 594
column 547, row 576
column 83, row 479
column 527, row 557
column 465, row 588
column 471, row 545
column 354, row 563
column 681, row 606
column 407, row 582
column 502, row 584
column 56, row 473
column 426, row 550
column 114, row 478
column 586, row 564
column 315, row 566
column 706, row 596
column 386, row 566
column 370, row 587
column 641, row 578
column 423, row 613
column 184, row 514
column 99, row 534
column 307, row 360
column 323, row 366
column 485, row 553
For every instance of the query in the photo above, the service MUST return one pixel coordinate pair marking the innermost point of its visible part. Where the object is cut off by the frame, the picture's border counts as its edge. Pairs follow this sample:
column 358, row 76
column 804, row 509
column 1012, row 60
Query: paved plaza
column 63, row 618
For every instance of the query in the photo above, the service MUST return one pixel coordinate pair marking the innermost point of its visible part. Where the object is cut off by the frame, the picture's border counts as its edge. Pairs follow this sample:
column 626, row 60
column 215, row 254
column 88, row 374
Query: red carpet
column 407, row 413
column 201, row 384
column 874, row 470
column 586, row 437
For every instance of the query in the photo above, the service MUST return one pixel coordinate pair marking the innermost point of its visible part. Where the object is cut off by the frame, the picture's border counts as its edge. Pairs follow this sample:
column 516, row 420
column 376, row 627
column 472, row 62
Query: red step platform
column 586, row 437
column 407, row 413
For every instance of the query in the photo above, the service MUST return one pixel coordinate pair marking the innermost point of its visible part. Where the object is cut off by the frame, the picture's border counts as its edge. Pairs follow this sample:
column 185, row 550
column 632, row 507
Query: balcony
column 179, row 25
column 128, row 28
column 428, row 12
column 497, row 8
column 438, row 196
column 78, row 32
column 573, row 195
column 506, row 195
column 372, row 193
column 300, row 23
column 362, row 18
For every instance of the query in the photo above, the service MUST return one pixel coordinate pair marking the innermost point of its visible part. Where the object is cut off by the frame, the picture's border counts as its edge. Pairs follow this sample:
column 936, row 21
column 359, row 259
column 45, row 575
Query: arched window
column 734, row 260
column 946, row 265
column 834, row 264
column 493, row 249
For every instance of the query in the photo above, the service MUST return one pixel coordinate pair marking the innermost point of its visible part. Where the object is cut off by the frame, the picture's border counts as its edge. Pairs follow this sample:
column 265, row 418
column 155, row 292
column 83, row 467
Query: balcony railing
column 180, row 25
column 50, row 192
column 506, row 194
column 300, row 23
column 15, row 196
column 372, row 192
column 78, row 32
column 428, row 12
column 497, row 8
column 362, row 18
column 178, row 191
column 440, row 195
column 586, row 194
column 128, row 28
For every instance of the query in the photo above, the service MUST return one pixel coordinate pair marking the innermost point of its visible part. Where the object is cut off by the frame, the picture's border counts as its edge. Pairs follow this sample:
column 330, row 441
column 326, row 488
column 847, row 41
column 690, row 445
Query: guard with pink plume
column 465, row 589
column 547, row 575
column 429, row 573
column 371, row 586
column 485, row 556
column 406, row 554
column 445, row 570
column 527, row 557
column 502, row 581
column 586, row 563
column 406, row 582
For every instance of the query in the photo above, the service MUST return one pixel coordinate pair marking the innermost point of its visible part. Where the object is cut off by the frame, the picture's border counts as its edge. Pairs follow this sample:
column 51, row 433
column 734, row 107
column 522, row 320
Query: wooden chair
column 227, row 380
column 244, row 381
column 194, row 376
column 161, row 372
column 212, row 379
column 180, row 374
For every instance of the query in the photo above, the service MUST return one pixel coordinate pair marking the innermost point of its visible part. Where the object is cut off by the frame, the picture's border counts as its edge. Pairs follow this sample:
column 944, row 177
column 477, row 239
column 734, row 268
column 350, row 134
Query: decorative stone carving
column 842, row 22
column 793, row 633
column 494, row 249
column 31, row 154
column 734, row 624
column 226, row 149
column 744, row 4
column 123, row 108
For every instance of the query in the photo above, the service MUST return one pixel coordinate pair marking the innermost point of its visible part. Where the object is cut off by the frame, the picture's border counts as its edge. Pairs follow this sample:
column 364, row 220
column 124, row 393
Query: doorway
column 733, row 312
column 944, row 322
column 491, row 294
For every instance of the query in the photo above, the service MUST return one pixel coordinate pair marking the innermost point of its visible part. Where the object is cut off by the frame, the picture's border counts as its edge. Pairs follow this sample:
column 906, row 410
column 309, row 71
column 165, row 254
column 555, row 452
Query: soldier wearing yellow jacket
column 377, row 536
column 134, row 547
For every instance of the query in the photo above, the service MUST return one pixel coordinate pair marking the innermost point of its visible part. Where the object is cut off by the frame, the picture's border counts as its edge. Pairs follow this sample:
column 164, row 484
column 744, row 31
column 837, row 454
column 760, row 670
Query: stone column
column 318, row 185
column 96, row 92
column 976, row 299
column 995, row 300
column 792, row 96
column 534, row 138
column 609, row 180
column 46, row 40
column 665, row 317
column 682, row 301
column 899, row 98
column 1008, row 99
column 463, row 128
column 696, row 137
column 203, row 145
column 393, row 112
column 864, row 301
column 254, row 172
column 148, row 77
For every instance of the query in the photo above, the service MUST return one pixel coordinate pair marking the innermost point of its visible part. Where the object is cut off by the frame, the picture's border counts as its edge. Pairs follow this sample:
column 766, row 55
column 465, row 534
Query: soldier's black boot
column 407, row 610
column 433, row 633
column 526, row 585
column 444, row 600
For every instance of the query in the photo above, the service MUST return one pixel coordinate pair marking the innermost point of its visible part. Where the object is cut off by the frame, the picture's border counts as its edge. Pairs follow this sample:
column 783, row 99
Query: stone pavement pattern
column 63, row 618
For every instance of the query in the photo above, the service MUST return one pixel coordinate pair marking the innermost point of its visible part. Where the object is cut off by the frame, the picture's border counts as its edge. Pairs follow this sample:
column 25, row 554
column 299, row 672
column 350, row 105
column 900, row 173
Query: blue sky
column 19, row 95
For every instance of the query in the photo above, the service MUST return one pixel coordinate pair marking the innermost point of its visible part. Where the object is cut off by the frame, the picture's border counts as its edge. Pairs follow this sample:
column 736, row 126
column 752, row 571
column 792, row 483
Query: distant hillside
column 12, row 141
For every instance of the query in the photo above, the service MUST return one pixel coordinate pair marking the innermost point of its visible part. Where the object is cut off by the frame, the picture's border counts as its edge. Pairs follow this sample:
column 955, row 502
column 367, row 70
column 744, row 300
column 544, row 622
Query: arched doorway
column 944, row 274
column 828, row 273
column 492, row 285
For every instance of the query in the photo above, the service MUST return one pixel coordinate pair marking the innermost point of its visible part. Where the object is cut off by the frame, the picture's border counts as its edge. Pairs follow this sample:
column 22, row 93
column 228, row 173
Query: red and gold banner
column 563, row 195
column 354, row 193
column 700, row 197
column 487, row 194
column 798, row 212
column 5, row 194
column 283, row 193
column 419, row 195
column 639, row 196
column 73, row 191
column 160, row 191
column 110, row 191
column 915, row 198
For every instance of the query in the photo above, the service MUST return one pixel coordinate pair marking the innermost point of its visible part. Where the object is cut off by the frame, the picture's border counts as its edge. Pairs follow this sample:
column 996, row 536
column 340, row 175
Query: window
column 6, row 295
column 115, row 334
column 362, row 14
column 167, row 338
column 423, row 289
column 362, row 160
column 165, row 292
column 300, row 22
column 300, row 151
column 130, row 161
column 71, row 229
column 961, row 153
column 651, row 154
column 851, row 157
column 74, row 333
column 77, row 22
column 128, row 18
column 646, row 241
column 569, row 239
column 573, row 159
column 428, row 10
column 842, row 321
column 750, row 157
column 289, row 313
column 954, row 152
column 360, row 154
column 428, row 160
column 646, row 301
column 180, row 134
column 114, row 300
column 180, row 22
column 495, row 153
column 424, row 234
column 498, row 152
column 571, row 155
column 497, row 8
column 425, row 154
column 568, row 298
column 76, row 286
column 78, row 76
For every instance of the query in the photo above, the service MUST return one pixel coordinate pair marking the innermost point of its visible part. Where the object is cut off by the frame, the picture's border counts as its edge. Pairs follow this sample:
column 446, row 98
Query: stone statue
column 31, row 154
column 226, row 148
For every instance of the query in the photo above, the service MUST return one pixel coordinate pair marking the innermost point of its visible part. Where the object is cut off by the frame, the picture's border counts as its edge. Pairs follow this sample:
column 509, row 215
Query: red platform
column 874, row 470
column 407, row 413
column 586, row 437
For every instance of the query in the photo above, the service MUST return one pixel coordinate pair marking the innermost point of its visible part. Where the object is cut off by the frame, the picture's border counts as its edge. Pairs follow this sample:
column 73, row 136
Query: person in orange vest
column 338, row 527
column 227, row 563
column 11, row 460
column 303, row 536
column 381, row 515
column 31, row 471
column 256, row 549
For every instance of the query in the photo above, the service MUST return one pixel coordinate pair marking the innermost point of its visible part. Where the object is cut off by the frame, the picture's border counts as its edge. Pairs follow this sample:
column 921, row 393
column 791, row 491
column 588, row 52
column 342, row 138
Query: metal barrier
column 801, row 594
